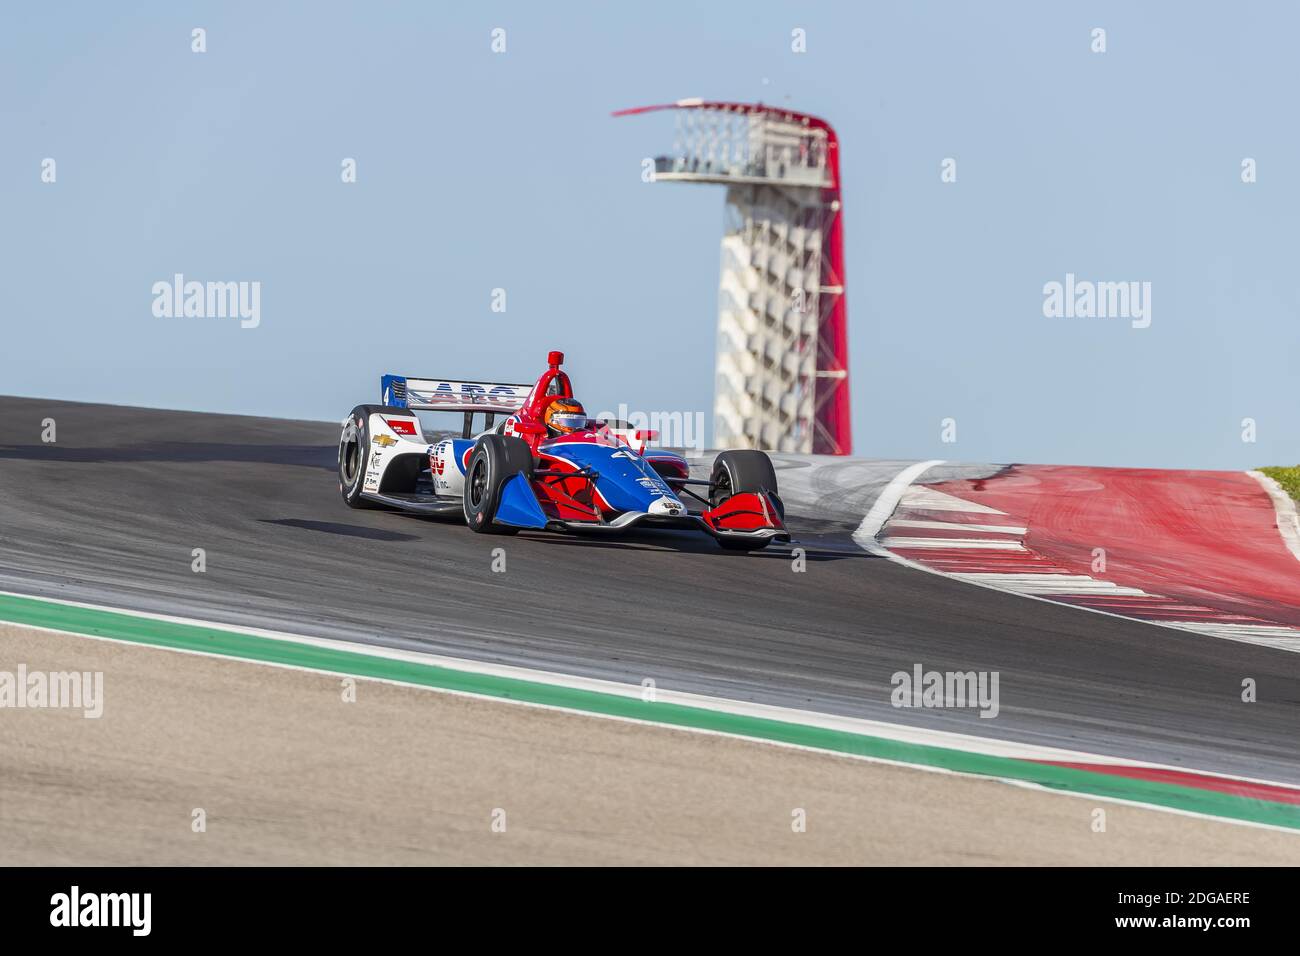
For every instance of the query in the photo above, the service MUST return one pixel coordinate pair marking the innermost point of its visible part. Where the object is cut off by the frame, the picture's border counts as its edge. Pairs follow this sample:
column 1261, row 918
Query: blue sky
column 479, row 171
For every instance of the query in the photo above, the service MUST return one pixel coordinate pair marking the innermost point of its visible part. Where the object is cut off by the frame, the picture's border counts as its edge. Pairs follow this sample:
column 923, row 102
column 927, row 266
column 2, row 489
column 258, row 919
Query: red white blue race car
column 545, row 465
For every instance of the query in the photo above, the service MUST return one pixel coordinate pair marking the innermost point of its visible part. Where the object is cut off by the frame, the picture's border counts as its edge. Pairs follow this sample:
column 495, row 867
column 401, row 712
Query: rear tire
column 354, row 453
column 744, row 471
column 495, row 459
column 354, row 456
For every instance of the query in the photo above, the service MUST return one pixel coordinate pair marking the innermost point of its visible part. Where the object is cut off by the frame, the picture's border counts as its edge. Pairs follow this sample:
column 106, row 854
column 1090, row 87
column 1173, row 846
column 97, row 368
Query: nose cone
column 666, row 506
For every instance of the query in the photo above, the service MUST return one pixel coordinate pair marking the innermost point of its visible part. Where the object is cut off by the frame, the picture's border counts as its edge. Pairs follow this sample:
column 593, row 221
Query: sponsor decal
column 372, row 476
column 652, row 484
column 385, row 441
column 469, row 393
column 402, row 426
column 665, row 506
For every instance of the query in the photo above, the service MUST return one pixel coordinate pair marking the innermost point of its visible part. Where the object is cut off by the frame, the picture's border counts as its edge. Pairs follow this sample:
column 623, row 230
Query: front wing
column 748, row 516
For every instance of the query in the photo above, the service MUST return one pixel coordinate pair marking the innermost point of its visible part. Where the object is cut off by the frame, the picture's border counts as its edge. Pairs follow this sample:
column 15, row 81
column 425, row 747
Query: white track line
column 928, row 499
column 1003, row 577
column 1278, row 636
column 1049, row 583
column 887, row 502
column 957, row 526
column 940, row 544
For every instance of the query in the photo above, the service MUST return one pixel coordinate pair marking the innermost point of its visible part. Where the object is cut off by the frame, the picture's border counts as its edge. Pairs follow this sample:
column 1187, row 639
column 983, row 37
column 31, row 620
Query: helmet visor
column 568, row 421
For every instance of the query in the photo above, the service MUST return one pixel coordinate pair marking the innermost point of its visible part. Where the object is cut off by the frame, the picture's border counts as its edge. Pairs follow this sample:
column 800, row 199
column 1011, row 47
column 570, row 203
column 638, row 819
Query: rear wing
column 445, row 395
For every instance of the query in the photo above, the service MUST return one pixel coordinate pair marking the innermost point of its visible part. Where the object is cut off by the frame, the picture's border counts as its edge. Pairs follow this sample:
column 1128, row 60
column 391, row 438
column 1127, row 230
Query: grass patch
column 1288, row 478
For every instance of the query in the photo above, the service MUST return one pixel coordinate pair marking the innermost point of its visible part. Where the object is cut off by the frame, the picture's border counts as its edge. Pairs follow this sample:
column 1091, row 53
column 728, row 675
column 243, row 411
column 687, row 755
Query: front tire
column 495, row 459
column 744, row 471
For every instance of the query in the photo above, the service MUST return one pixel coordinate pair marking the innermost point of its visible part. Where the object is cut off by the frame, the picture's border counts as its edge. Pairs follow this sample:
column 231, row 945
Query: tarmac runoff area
column 286, row 771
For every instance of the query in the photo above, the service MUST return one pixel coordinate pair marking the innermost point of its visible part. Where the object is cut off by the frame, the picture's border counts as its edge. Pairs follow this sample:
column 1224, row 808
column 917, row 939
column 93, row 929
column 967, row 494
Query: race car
column 545, row 465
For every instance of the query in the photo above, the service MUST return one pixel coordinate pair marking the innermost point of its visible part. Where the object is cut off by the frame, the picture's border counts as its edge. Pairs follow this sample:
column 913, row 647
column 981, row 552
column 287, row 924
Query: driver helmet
column 564, row 416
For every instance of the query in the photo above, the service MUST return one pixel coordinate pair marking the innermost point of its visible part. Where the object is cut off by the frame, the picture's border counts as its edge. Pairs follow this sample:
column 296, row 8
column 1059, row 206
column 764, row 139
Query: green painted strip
column 227, row 643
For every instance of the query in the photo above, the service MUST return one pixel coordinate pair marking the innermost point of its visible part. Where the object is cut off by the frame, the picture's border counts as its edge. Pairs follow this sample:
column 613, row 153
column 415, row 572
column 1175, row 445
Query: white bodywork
column 448, row 479
column 390, row 438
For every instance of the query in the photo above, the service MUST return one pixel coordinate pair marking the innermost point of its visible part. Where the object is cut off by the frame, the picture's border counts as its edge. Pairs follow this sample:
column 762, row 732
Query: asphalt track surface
column 111, row 511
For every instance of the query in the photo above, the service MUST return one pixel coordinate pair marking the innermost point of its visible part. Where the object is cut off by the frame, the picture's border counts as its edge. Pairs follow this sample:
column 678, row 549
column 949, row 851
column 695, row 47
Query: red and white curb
column 932, row 530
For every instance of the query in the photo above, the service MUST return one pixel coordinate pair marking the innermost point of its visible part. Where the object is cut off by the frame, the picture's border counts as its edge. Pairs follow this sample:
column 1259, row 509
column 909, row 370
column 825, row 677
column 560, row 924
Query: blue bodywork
column 519, row 506
column 624, row 480
column 392, row 391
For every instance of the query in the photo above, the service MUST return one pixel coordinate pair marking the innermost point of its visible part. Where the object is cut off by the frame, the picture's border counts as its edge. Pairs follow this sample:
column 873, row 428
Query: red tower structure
column 782, row 367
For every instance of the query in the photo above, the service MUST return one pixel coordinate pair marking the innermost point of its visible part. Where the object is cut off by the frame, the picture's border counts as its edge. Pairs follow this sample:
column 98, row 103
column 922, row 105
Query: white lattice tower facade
column 768, row 320
column 781, row 375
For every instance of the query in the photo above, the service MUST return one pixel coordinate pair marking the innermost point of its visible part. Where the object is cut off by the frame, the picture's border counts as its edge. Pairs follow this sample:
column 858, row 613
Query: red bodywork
column 568, row 499
column 527, row 423
column 743, row 512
